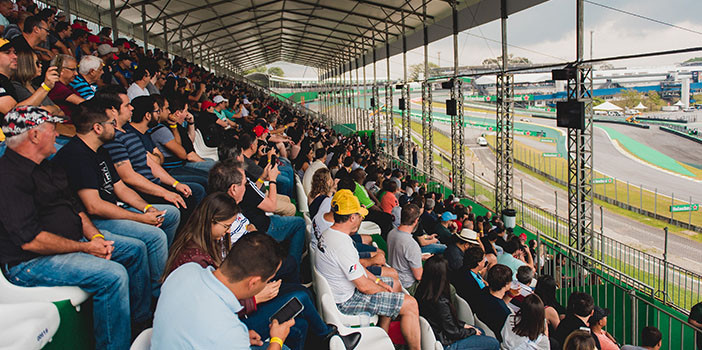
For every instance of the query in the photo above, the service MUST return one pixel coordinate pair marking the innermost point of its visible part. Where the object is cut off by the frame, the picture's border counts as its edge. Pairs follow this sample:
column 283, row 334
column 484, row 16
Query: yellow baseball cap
column 345, row 203
column 5, row 44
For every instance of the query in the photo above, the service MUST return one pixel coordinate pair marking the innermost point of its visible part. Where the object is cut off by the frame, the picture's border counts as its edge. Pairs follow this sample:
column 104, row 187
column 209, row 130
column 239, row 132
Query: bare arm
column 6, row 104
column 138, row 181
column 367, row 286
column 98, row 207
column 75, row 99
column 417, row 273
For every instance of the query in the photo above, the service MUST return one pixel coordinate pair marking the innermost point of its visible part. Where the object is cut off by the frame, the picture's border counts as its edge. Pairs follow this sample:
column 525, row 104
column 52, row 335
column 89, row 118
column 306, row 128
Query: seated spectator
column 200, row 241
column 175, row 143
column 58, row 38
column 142, row 77
column 579, row 340
column 121, row 70
column 492, row 251
column 354, row 289
column 695, row 319
column 29, row 68
column 89, row 72
column 455, row 251
column 8, row 95
column 220, row 105
column 47, row 238
column 113, row 206
column 136, row 165
column 651, row 339
column 580, row 308
column 525, row 278
column 492, row 308
column 5, row 11
column 514, row 256
column 253, row 203
column 526, row 329
column 435, row 305
column 429, row 219
column 250, row 148
column 546, row 290
column 320, row 157
column 446, row 227
column 304, row 158
column 404, row 253
column 198, row 307
column 375, row 213
column 34, row 32
column 62, row 93
column 469, row 281
column 323, row 188
column 211, row 128
column 597, row 322
column 388, row 197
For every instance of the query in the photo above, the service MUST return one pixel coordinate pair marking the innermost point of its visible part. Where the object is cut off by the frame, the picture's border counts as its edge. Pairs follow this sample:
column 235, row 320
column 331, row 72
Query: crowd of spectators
column 101, row 187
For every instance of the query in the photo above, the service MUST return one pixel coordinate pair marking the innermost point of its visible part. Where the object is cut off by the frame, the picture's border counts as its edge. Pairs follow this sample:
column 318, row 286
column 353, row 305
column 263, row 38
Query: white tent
column 679, row 103
column 607, row 106
column 640, row 106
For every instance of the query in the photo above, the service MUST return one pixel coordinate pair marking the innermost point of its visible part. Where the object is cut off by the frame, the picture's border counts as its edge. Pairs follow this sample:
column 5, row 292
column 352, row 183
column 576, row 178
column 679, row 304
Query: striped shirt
column 85, row 90
column 128, row 146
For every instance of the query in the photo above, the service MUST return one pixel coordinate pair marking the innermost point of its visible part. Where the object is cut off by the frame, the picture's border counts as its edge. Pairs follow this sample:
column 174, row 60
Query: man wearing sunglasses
column 35, row 32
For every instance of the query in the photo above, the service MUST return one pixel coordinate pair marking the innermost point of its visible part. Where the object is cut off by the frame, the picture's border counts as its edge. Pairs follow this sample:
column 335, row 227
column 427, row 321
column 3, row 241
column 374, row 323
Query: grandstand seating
column 27, row 326
column 143, row 340
column 429, row 341
column 372, row 338
column 202, row 149
column 10, row 293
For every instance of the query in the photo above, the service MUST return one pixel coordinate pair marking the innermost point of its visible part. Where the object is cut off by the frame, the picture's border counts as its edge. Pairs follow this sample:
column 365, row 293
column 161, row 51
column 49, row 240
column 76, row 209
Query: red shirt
column 59, row 94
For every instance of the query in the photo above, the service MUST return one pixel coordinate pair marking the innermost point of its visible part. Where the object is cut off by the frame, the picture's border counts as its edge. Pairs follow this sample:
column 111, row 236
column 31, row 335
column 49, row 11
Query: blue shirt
column 84, row 89
column 128, row 146
column 196, row 311
column 512, row 262
column 478, row 279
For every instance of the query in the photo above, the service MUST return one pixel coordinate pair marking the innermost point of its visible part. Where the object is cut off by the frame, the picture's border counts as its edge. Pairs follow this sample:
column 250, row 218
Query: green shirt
column 362, row 196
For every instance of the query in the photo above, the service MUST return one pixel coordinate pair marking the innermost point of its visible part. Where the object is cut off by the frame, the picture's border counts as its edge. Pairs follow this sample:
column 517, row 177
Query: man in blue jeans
column 114, row 206
column 46, row 238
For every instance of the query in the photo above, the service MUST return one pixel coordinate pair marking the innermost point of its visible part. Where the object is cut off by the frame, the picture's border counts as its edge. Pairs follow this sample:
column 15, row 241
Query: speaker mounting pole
column 457, row 138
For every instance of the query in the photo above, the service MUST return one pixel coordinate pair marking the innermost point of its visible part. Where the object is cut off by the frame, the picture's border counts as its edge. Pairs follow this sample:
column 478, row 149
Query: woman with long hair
column 546, row 290
column 579, row 340
column 527, row 329
column 29, row 68
column 322, row 189
column 304, row 158
column 203, row 239
column 435, row 305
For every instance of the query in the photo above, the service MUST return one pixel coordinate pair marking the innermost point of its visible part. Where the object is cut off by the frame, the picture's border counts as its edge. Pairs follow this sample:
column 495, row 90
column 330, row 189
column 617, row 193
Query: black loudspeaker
column 447, row 84
column 372, row 102
column 349, row 100
column 399, row 86
column 451, row 107
column 402, row 104
column 563, row 74
column 570, row 114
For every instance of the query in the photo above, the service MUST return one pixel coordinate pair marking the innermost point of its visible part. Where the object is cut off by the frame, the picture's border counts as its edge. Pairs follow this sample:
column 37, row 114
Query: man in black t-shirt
column 113, row 206
column 47, row 239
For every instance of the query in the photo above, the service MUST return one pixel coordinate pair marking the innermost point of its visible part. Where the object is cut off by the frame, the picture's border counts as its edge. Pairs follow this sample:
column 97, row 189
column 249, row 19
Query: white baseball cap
column 219, row 99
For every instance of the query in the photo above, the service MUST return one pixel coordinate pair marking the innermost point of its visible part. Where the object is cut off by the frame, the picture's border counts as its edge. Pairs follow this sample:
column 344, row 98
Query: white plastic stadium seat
column 302, row 205
column 143, row 340
column 464, row 313
column 481, row 324
column 429, row 341
column 27, row 325
column 12, row 294
column 369, row 228
column 322, row 288
column 335, row 343
column 202, row 149
column 372, row 338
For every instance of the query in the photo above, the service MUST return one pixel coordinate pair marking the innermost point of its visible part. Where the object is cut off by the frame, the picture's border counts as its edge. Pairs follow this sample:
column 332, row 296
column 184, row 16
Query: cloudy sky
column 546, row 34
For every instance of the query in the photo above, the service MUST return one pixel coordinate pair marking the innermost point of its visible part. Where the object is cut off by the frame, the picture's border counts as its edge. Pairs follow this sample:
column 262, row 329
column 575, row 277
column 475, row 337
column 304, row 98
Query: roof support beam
column 331, row 8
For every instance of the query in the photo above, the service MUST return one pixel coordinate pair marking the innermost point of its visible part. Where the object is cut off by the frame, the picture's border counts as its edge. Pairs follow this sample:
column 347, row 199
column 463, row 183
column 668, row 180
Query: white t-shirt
column 339, row 264
column 512, row 341
column 135, row 91
column 319, row 225
column 238, row 228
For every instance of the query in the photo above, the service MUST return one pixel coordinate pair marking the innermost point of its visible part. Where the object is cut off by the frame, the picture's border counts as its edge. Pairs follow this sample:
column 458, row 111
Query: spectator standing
column 47, row 238
column 435, row 305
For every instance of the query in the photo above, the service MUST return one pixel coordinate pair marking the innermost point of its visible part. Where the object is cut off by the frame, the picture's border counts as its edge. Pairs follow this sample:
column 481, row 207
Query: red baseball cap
column 259, row 130
column 207, row 104
column 94, row 39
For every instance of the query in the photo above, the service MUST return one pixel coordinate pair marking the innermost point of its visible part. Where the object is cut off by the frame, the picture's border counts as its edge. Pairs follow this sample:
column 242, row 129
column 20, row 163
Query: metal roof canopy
column 317, row 33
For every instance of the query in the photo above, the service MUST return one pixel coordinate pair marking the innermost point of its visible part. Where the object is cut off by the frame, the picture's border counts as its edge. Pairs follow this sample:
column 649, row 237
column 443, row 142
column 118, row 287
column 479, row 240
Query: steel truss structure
column 580, row 208
column 427, row 129
column 457, row 139
column 504, row 141
column 406, row 125
column 389, row 128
